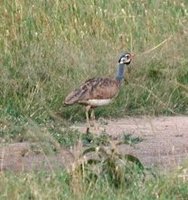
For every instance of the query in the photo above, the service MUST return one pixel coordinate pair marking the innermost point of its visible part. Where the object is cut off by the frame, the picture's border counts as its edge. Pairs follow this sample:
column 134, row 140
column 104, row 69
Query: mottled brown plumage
column 98, row 91
column 95, row 88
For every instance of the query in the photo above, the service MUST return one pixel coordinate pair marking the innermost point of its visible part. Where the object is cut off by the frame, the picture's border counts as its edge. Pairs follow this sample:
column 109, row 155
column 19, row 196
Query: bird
column 99, row 91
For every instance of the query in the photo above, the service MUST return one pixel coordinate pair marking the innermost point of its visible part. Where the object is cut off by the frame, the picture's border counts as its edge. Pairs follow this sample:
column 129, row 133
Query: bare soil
column 164, row 145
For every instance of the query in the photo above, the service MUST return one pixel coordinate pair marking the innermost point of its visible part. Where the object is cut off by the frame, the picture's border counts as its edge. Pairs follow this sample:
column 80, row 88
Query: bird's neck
column 120, row 72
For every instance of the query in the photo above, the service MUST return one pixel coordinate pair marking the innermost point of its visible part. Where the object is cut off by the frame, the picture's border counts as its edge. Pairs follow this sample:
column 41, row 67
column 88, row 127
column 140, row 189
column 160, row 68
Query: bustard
column 99, row 91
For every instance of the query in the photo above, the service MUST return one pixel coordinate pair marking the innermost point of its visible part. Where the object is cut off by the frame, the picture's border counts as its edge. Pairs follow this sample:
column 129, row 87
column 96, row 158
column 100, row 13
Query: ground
column 164, row 144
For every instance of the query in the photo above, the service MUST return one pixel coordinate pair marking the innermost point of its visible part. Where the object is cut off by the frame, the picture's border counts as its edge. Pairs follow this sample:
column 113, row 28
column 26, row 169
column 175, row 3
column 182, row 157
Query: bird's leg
column 93, row 119
column 87, row 118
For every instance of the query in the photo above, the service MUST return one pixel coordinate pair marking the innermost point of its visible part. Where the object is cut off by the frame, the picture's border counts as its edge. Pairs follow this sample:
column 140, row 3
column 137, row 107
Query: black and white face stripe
column 125, row 59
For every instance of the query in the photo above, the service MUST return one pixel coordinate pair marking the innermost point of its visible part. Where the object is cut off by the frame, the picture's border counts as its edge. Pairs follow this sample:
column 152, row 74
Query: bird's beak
column 132, row 55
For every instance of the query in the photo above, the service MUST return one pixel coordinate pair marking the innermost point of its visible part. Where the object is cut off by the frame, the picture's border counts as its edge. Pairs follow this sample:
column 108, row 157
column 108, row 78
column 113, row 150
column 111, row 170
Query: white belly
column 99, row 102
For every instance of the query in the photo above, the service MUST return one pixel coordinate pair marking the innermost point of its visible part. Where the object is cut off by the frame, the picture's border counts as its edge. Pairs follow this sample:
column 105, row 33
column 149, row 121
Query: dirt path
column 165, row 143
column 165, row 139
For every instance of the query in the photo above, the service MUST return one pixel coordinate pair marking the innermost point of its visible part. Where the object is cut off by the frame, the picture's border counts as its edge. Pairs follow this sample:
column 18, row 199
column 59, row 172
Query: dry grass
column 47, row 48
column 58, row 186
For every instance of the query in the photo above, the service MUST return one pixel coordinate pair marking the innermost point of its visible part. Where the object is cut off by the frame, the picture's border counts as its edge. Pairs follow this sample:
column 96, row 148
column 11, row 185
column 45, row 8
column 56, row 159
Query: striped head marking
column 125, row 58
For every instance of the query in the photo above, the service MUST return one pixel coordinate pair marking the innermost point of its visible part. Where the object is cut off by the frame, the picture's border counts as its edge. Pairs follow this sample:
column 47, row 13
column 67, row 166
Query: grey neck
column 120, row 72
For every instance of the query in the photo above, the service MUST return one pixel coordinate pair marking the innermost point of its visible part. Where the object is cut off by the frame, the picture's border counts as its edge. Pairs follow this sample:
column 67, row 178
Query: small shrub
column 100, row 163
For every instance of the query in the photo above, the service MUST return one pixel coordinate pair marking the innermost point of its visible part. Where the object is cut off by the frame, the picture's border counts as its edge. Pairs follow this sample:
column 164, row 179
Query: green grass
column 60, row 185
column 47, row 48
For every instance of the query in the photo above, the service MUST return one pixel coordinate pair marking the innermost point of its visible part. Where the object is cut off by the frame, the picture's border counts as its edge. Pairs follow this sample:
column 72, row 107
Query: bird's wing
column 95, row 88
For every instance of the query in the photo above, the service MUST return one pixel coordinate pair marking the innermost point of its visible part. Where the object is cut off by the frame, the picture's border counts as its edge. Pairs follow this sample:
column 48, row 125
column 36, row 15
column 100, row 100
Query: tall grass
column 47, row 48
column 50, row 47
column 58, row 186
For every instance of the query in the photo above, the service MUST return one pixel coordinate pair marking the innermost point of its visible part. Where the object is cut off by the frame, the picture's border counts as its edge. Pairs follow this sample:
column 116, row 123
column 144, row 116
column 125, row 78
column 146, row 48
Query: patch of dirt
column 165, row 144
column 165, row 139
column 20, row 157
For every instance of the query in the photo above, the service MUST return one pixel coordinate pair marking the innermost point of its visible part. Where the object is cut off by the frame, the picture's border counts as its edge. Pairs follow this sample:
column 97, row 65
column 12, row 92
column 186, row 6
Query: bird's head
column 125, row 58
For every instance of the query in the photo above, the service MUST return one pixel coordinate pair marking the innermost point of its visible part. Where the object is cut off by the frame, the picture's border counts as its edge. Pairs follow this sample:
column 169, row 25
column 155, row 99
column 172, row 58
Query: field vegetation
column 47, row 48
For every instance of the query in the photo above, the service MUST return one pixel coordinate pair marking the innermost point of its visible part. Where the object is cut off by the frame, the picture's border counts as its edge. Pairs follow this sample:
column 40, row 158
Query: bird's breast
column 99, row 102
